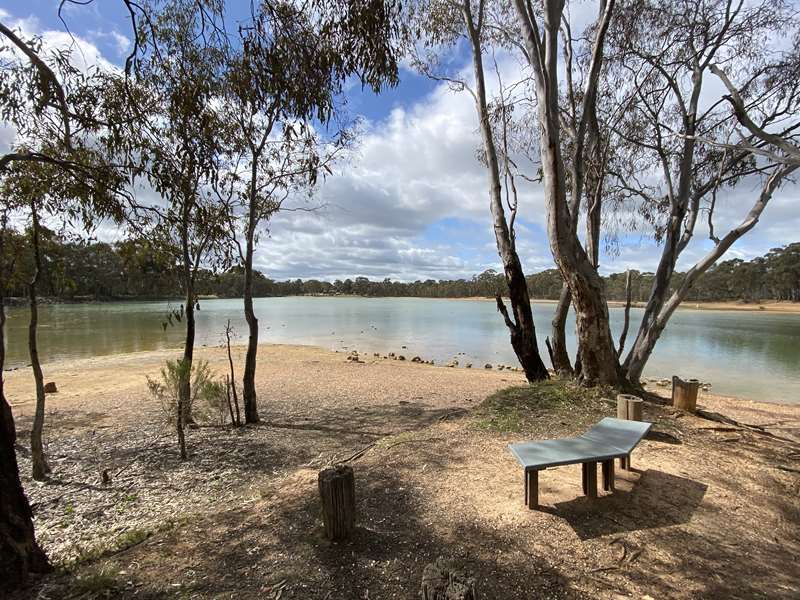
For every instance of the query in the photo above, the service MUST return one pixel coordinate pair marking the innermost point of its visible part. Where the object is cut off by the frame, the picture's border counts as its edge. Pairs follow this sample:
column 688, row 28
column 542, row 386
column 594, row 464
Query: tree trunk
column 627, row 315
column 237, row 420
column 597, row 353
column 651, row 329
column 40, row 467
column 558, row 342
column 183, row 412
column 249, row 398
column 19, row 552
column 521, row 328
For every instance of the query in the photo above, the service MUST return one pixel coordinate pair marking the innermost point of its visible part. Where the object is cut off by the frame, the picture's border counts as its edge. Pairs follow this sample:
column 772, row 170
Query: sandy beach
column 768, row 306
column 704, row 505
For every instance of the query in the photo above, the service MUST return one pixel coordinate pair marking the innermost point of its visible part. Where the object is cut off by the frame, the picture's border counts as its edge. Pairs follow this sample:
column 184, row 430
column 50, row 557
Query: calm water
column 752, row 355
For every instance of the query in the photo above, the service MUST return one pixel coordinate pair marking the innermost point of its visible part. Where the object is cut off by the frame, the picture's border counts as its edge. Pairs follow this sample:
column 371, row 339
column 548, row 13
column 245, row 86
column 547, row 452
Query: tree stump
column 441, row 580
column 684, row 394
column 337, row 490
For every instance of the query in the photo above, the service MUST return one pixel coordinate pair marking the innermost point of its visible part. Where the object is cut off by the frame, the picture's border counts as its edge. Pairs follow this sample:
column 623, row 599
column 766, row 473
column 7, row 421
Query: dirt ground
column 710, row 510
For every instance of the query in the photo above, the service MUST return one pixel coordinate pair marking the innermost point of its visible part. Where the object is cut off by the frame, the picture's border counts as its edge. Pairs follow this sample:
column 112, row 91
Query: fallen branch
column 358, row 454
column 719, row 418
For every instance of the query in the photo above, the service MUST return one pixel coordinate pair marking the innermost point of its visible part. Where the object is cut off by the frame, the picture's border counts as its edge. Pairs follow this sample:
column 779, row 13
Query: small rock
column 401, row 357
column 50, row 387
column 487, row 366
column 468, row 366
column 416, row 359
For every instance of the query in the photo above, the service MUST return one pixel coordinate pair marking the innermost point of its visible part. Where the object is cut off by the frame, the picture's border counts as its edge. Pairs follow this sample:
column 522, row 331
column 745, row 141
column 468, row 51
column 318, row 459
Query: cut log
column 337, row 491
column 684, row 394
column 441, row 580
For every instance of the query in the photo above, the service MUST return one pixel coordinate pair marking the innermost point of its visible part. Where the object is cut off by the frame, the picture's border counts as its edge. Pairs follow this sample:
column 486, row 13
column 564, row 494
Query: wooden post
column 629, row 407
column 532, row 489
column 441, row 580
column 635, row 406
column 589, row 470
column 684, row 393
column 338, row 494
column 608, row 475
column 622, row 406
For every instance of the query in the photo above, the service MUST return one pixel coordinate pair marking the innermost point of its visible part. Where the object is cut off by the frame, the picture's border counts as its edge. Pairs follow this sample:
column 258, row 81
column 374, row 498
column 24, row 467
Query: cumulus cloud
column 412, row 202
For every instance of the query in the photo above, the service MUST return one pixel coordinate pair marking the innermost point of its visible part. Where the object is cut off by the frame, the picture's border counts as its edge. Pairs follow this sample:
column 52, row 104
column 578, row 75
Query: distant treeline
column 77, row 270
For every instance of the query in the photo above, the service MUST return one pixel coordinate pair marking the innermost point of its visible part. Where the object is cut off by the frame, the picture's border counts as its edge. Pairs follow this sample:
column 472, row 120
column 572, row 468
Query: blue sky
column 412, row 201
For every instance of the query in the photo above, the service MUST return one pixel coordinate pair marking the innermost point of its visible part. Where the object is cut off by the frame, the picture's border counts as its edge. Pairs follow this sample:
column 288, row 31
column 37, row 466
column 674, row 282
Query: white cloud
column 416, row 169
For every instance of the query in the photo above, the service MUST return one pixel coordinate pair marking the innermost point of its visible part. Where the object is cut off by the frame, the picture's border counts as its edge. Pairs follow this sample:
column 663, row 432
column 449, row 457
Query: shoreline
column 649, row 382
column 767, row 307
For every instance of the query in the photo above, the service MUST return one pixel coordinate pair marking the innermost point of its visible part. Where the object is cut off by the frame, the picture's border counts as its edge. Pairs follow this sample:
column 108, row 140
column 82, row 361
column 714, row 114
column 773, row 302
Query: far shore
column 769, row 306
column 772, row 306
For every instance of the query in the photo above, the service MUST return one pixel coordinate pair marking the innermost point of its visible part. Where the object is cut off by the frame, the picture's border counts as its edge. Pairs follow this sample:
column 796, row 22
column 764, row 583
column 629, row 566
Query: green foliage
column 525, row 408
column 204, row 387
column 138, row 269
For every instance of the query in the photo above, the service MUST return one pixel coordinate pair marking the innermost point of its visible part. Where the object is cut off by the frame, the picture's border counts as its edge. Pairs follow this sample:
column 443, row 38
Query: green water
column 747, row 354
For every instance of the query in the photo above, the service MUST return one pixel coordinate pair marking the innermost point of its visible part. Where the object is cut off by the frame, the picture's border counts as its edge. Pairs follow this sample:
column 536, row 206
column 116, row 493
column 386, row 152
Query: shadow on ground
column 657, row 499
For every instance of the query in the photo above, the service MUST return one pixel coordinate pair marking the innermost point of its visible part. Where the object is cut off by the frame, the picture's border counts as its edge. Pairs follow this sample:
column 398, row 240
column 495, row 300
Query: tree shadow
column 656, row 500
column 283, row 544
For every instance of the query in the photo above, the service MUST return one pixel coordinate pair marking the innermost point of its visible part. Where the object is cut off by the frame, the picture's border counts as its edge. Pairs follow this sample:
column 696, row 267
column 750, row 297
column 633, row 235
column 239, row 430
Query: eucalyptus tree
column 541, row 37
column 444, row 25
column 42, row 190
column 176, row 143
column 283, row 75
column 51, row 107
column 714, row 113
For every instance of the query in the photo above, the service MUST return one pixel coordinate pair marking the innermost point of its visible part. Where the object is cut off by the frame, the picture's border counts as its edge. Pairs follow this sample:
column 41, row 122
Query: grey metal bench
column 609, row 439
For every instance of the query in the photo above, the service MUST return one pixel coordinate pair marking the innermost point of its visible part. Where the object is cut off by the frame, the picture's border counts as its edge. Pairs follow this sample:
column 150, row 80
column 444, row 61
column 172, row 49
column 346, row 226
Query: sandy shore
column 769, row 307
column 705, row 501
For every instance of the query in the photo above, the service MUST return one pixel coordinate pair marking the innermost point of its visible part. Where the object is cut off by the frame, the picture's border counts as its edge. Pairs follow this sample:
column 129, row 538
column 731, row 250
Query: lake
column 746, row 354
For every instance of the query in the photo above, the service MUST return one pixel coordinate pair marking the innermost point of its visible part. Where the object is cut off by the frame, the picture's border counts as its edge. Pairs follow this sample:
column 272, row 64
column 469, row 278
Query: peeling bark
column 599, row 364
column 521, row 327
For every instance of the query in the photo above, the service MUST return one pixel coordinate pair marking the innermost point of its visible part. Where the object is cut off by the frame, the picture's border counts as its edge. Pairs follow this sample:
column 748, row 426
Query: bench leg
column 532, row 489
column 589, row 472
column 608, row 475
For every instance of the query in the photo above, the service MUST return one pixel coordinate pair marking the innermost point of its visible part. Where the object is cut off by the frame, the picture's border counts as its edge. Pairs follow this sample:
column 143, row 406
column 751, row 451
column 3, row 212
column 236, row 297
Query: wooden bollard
column 629, row 407
column 337, row 490
column 684, row 393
